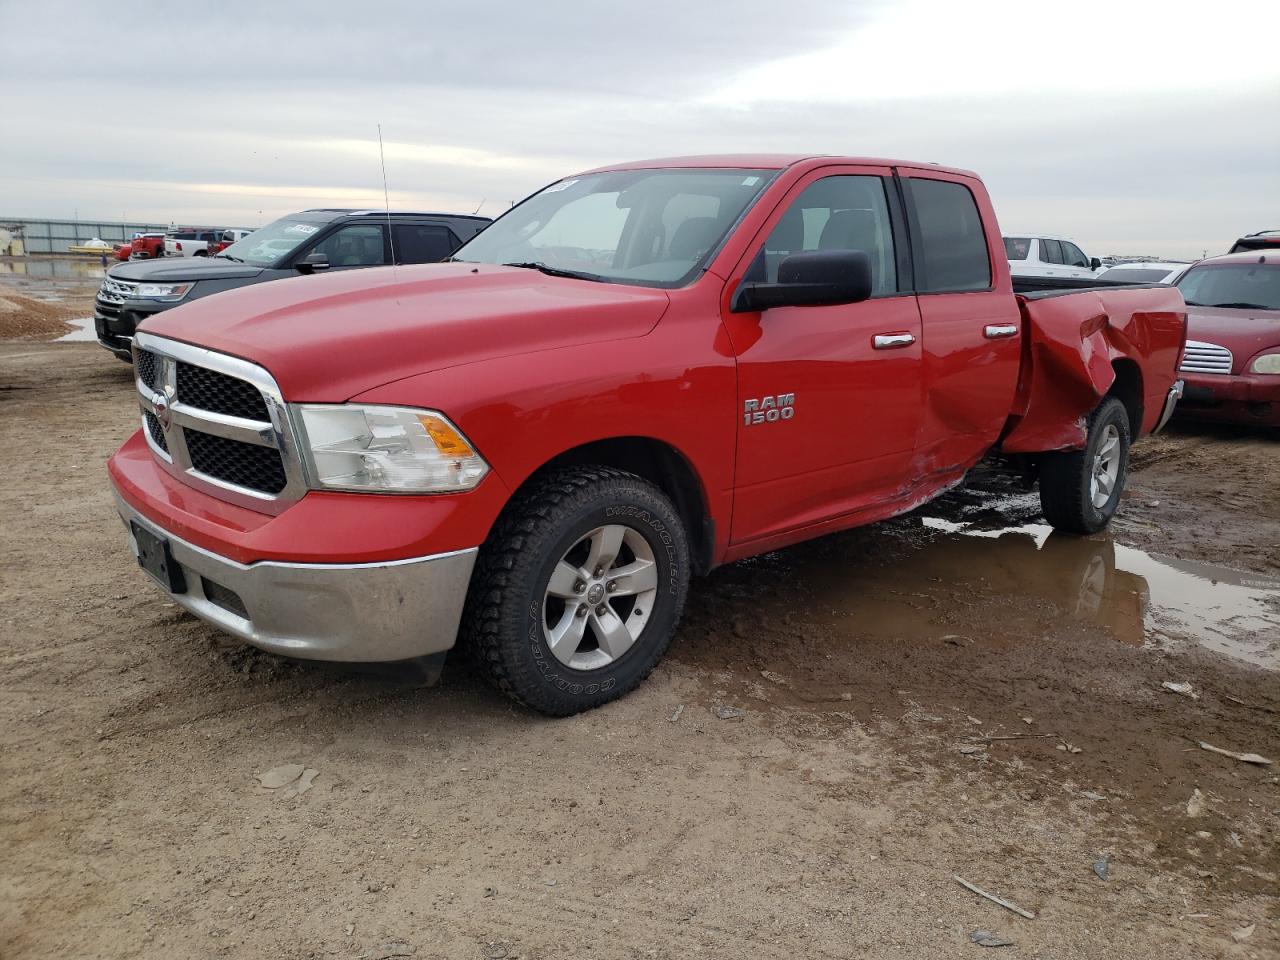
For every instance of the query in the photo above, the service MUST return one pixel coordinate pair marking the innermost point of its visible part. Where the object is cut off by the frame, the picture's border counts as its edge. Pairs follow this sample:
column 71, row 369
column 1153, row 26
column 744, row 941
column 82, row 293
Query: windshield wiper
column 555, row 271
column 1238, row 306
column 226, row 256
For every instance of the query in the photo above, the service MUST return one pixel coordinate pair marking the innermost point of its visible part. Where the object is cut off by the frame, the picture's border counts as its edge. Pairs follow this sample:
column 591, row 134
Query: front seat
column 693, row 238
column 854, row 230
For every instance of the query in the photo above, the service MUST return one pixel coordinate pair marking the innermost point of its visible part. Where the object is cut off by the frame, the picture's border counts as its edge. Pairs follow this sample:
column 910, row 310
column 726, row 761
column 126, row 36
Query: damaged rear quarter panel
column 1072, row 342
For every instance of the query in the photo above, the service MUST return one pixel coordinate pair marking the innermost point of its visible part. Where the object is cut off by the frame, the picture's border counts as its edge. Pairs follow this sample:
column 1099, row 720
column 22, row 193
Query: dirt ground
column 878, row 672
column 39, row 295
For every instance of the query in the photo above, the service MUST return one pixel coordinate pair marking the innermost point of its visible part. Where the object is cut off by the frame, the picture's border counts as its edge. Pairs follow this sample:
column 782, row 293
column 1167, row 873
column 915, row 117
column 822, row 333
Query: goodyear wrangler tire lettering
column 512, row 607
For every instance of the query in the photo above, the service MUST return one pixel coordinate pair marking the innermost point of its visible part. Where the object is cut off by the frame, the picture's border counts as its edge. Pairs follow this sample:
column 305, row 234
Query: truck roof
column 772, row 161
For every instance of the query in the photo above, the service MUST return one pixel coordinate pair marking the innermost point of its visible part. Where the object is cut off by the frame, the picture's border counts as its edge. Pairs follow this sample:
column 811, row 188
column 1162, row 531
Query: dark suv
column 300, row 243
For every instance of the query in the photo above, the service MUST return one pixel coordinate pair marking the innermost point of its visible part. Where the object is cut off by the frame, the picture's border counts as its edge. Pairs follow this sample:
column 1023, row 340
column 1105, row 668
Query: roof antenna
column 478, row 206
column 386, row 203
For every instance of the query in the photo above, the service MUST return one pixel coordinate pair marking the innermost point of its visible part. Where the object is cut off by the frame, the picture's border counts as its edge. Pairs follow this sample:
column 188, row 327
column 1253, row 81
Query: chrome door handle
column 994, row 331
column 887, row 341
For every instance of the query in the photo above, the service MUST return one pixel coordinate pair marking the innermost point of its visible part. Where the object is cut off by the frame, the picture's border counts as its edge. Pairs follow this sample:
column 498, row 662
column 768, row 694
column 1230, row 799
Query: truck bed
column 1082, row 342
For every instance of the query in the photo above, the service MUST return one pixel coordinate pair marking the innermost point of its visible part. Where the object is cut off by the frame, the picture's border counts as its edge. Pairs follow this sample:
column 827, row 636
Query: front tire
column 1080, row 490
column 578, row 590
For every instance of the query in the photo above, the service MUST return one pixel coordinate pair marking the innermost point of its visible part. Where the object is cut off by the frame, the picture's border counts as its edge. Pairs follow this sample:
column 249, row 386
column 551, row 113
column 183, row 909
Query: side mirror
column 1095, row 264
column 815, row 279
column 313, row 262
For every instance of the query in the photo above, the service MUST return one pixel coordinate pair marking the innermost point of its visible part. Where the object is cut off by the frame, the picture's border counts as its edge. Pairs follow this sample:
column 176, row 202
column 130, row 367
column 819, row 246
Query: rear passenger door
column 970, row 318
column 828, row 396
column 422, row 242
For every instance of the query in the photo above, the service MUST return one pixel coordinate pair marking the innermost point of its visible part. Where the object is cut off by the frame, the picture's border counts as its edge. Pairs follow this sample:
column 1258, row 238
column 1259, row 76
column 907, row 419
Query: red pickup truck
column 635, row 375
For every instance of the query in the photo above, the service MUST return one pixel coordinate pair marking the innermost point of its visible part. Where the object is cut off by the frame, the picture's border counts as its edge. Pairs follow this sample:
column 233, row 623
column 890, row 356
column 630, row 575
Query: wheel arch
column 661, row 464
column 1127, row 388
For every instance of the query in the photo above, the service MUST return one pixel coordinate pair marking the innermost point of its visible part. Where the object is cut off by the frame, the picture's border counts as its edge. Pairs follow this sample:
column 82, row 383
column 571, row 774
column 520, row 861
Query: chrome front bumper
column 1170, row 402
column 352, row 613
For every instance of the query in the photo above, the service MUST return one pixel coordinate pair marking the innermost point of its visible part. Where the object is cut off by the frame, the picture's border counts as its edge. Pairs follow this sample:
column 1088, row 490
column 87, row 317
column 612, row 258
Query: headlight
column 1267, row 363
column 387, row 449
column 162, row 291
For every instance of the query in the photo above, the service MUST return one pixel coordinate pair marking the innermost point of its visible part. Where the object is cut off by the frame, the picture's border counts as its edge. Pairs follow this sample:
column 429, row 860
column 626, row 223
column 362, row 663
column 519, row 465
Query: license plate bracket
column 155, row 557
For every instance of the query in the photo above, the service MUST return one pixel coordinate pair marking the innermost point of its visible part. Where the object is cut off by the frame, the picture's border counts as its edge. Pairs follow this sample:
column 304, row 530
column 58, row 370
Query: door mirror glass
column 813, row 279
column 313, row 262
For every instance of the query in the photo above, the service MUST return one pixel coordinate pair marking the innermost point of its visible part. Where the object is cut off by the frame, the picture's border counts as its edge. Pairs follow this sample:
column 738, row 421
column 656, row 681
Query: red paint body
column 531, row 366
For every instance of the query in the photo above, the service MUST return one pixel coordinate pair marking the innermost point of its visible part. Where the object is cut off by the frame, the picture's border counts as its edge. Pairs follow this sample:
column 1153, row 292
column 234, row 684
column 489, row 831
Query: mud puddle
column 929, row 578
column 90, row 268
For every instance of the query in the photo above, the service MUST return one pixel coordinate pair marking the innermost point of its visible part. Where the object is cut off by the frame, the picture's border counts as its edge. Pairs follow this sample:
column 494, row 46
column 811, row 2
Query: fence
column 58, row 236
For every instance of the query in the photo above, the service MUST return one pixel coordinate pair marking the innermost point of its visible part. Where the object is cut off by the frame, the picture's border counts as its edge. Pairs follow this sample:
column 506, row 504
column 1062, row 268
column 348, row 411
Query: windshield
column 1253, row 286
column 647, row 227
column 265, row 246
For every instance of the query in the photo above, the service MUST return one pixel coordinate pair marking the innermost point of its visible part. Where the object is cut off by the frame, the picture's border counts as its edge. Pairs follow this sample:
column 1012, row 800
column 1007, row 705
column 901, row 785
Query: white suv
column 1047, row 256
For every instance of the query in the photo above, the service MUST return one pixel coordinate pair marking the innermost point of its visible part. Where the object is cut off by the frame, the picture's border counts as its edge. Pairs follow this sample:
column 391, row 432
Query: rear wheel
column 578, row 590
column 1080, row 490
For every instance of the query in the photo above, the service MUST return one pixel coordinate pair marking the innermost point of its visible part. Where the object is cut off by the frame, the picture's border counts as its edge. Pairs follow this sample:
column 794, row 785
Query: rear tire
column 578, row 590
column 1080, row 490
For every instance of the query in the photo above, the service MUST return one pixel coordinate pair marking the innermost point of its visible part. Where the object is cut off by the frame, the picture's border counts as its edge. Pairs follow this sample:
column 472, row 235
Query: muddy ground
column 40, row 297
column 878, row 672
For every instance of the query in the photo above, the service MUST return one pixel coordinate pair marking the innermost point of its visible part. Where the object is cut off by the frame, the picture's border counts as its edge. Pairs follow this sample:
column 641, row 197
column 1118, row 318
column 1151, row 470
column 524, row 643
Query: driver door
column 829, row 397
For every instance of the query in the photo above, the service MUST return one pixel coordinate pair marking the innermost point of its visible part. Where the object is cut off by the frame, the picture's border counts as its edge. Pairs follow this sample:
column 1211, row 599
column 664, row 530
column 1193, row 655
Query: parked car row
column 185, row 242
column 1232, row 359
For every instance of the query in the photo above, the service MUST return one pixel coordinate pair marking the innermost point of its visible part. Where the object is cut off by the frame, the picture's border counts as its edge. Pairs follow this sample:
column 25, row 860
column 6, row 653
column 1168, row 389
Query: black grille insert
column 148, row 367
column 244, row 464
column 219, row 393
column 223, row 597
column 156, row 431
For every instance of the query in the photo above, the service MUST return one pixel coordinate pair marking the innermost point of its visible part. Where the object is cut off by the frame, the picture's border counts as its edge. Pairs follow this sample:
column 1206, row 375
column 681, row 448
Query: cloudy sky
column 1149, row 129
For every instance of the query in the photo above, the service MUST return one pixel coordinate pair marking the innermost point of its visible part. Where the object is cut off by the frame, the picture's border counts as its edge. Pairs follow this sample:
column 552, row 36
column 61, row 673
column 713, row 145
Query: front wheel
column 578, row 590
column 1080, row 489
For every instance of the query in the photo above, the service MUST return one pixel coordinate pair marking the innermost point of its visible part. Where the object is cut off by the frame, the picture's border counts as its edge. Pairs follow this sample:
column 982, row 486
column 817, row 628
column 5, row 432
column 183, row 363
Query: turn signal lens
column 446, row 438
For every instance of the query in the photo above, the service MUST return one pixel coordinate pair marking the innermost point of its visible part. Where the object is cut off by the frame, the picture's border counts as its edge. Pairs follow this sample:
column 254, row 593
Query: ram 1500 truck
column 635, row 375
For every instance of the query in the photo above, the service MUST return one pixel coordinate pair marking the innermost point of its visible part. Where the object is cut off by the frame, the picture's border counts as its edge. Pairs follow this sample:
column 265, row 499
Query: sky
column 1148, row 129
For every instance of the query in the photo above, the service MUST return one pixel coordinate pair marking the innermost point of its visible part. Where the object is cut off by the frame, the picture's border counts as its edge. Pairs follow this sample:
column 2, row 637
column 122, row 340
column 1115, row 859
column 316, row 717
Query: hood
column 176, row 269
column 329, row 337
column 1243, row 332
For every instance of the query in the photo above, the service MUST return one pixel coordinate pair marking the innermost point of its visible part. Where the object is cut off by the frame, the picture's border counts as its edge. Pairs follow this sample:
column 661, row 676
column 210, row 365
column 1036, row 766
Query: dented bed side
column 1074, row 344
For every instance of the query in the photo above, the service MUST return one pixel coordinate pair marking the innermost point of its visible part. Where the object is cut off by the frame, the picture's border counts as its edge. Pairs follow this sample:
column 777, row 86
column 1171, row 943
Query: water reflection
column 88, row 268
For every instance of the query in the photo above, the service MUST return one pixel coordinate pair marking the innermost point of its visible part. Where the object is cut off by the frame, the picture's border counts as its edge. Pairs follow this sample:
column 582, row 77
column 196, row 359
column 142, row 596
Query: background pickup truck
column 635, row 375
column 190, row 243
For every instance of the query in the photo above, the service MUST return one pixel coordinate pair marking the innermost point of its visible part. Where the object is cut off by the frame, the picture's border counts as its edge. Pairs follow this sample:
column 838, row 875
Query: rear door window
column 953, row 244
column 422, row 242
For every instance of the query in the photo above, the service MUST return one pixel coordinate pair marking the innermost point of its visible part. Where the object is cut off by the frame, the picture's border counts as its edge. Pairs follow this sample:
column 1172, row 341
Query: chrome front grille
column 115, row 291
column 217, row 423
column 1206, row 358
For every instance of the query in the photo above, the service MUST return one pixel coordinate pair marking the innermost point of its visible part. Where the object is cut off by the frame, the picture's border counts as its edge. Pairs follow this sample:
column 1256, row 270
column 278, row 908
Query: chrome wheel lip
column 1105, row 473
column 590, row 592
